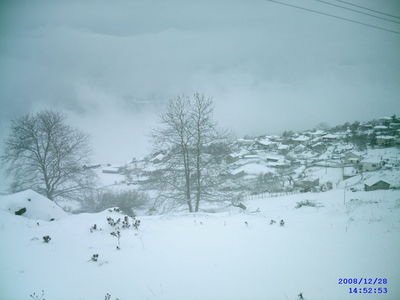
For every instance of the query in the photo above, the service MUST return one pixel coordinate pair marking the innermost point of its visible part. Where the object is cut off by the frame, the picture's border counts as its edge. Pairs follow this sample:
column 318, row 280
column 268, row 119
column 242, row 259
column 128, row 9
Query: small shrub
column 117, row 234
column 93, row 228
column 305, row 203
column 112, row 222
column 46, row 238
column 125, row 222
column 136, row 224
column 95, row 257
column 37, row 296
column 108, row 297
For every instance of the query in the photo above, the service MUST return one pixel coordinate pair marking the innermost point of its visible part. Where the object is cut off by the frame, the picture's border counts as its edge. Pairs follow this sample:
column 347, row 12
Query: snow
column 37, row 206
column 349, row 171
column 391, row 154
column 254, row 168
column 325, row 174
column 210, row 256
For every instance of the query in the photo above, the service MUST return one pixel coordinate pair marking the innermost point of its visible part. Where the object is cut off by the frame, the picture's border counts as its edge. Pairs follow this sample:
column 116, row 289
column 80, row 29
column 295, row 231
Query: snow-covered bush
column 306, row 203
column 136, row 224
column 35, row 296
column 112, row 222
column 108, row 297
column 95, row 257
column 46, row 238
column 117, row 234
column 115, row 224
column 125, row 222
column 93, row 228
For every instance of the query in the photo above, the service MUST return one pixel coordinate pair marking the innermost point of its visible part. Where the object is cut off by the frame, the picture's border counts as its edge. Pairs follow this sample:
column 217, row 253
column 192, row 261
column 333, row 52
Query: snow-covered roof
column 160, row 156
column 385, row 137
column 265, row 142
column 253, row 168
column 251, row 157
column 330, row 136
column 318, row 132
column 274, row 157
column 282, row 147
column 301, row 138
column 370, row 160
column 390, row 177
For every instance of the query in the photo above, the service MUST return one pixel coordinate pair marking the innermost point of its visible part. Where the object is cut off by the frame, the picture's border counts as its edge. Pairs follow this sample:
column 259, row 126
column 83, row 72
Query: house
column 316, row 133
column 319, row 147
column 376, row 185
column 157, row 158
column 265, row 144
column 302, row 139
column 272, row 159
column 330, row 137
column 351, row 158
column 394, row 125
column 385, row 140
column 367, row 165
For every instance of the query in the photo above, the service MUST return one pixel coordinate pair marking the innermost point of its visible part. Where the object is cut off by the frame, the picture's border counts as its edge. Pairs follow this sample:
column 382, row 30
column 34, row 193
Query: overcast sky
column 112, row 65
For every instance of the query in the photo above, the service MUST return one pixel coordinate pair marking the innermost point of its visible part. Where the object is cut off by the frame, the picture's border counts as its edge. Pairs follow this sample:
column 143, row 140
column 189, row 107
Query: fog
column 111, row 66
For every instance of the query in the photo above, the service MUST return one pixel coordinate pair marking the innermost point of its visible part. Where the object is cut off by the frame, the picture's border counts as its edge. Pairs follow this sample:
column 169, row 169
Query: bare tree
column 175, row 134
column 204, row 133
column 189, row 134
column 45, row 154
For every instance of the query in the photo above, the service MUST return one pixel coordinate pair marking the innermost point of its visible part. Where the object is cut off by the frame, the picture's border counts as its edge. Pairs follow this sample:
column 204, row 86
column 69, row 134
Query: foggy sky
column 111, row 65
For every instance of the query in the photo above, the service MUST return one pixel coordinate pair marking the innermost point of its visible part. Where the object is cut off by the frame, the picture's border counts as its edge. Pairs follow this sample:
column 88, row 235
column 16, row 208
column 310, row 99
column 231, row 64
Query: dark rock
column 21, row 211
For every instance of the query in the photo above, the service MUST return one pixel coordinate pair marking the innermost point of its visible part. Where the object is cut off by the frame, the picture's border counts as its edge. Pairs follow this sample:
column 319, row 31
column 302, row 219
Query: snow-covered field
column 229, row 255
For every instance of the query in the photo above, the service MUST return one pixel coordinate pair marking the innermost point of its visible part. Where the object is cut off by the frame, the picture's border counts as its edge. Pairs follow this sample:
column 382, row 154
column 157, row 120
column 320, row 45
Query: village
column 357, row 157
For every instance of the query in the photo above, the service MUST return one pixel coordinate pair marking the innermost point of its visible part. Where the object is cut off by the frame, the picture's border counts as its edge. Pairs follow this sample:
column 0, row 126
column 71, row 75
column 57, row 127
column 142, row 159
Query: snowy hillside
column 229, row 255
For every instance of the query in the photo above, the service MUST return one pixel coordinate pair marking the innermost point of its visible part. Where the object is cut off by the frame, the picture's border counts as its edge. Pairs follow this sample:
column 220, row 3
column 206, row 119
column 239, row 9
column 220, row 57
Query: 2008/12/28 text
column 362, row 280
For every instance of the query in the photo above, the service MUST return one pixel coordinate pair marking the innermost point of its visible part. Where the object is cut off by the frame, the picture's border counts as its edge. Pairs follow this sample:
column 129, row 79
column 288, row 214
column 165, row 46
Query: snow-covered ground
column 207, row 256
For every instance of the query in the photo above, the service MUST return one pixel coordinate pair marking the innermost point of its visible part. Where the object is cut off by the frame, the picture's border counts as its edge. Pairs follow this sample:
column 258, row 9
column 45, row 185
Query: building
column 373, row 185
column 351, row 158
column 385, row 140
column 367, row 165
column 330, row 137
